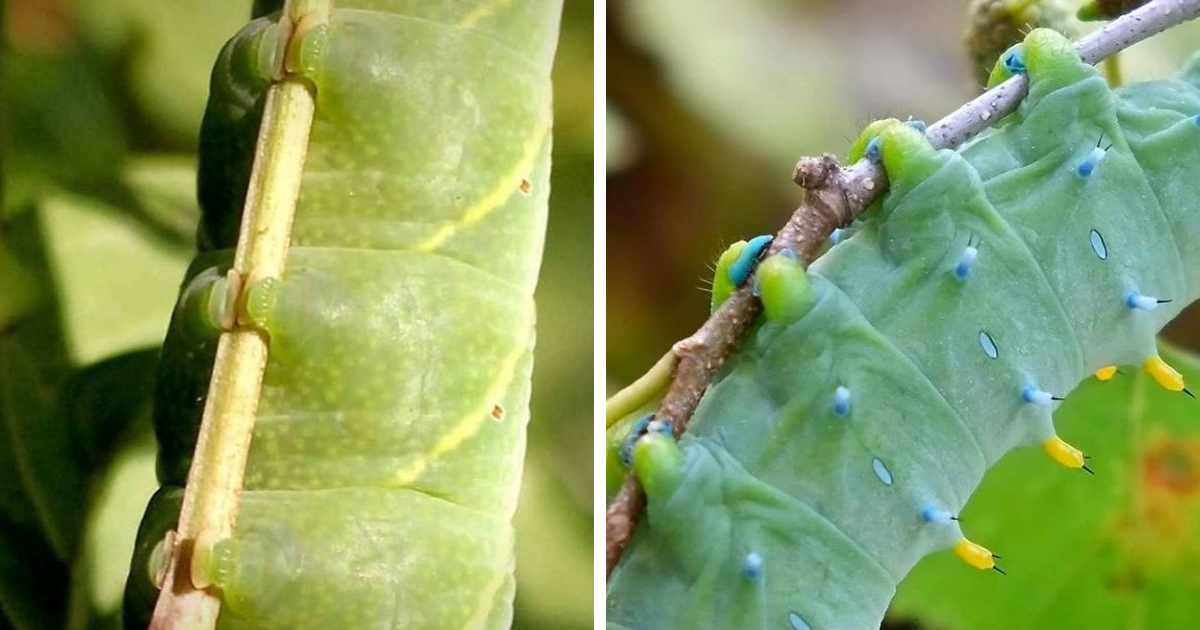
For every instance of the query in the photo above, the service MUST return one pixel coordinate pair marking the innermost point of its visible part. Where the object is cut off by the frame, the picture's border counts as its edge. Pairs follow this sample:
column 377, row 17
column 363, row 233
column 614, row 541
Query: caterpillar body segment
column 943, row 372
column 387, row 451
column 723, row 284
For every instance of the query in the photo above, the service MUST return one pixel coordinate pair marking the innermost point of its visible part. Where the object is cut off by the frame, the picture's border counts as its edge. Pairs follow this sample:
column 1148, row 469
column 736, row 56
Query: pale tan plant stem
column 187, row 601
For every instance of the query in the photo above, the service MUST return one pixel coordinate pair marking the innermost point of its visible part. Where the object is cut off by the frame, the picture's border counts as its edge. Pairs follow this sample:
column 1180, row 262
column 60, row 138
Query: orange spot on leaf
column 1174, row 466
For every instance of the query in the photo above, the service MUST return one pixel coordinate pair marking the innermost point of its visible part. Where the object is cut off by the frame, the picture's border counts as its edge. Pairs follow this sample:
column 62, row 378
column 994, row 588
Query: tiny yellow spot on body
column 497, row 412
column 1106, row 373
column 526, row 186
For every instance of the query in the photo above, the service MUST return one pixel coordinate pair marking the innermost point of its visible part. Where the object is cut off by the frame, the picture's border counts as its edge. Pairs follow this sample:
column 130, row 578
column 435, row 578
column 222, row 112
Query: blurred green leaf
column 162, row 191
column 18, row 285
column 620, row 140
column 57, row 437
column 115, row 282
column 32, row 581
column 128, row 481
column 553, row 550
column 59, row 128
column 726, row 56
column 59, row 425
column 166, row 50
column 1118, row 550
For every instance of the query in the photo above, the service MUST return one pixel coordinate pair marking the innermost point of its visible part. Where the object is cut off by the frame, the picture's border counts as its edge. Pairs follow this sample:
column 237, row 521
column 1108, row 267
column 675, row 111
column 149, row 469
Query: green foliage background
column 705, row 123
column 99, row 115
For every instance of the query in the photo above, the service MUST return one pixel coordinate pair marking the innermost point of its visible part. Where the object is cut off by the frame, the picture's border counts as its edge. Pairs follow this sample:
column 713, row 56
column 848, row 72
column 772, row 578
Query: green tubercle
column 995, row 25
column 658, row 463
column 907, row 156
column 722, row 286
column 1052, row 57
column 784, row 289
column 858, row 150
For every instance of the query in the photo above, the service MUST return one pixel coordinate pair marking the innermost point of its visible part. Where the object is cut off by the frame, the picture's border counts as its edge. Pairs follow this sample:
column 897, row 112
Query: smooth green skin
column 387, row 452
column 769, row 467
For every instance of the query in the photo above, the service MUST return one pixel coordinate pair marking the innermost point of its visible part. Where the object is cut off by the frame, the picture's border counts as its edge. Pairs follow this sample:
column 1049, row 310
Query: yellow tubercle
column 1063, row 453
column 1106, row 372
column 1164, row 374
column 974, row 555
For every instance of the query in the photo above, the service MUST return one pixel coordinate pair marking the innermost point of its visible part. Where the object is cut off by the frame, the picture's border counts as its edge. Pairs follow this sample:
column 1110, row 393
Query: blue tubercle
column 1139, row 302
column 1089, row 163
column 635, row 432
column 881, row 471
column 963, row 268
column 874, row 150
column 933, row 515
column 658, row 426
column 1032, row 395
column 1014, row 61
column 835, row 236
column 919, row 125
column 753, row 566
column 841, row 401
column 741, row 268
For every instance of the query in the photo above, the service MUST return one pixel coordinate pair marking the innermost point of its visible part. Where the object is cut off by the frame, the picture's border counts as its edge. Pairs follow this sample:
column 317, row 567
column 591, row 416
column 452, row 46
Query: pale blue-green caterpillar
column 840, row 441
column 387, row 452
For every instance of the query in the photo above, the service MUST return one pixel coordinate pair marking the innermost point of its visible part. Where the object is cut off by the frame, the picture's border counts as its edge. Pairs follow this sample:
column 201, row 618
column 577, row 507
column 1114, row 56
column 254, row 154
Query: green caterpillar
column 840, row 441
column 387, row 453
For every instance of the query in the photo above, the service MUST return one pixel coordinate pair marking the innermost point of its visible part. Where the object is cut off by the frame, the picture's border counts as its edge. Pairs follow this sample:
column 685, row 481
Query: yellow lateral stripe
column 469, row 423
column 496, row 197
column 482, row 10
column 483, row 608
